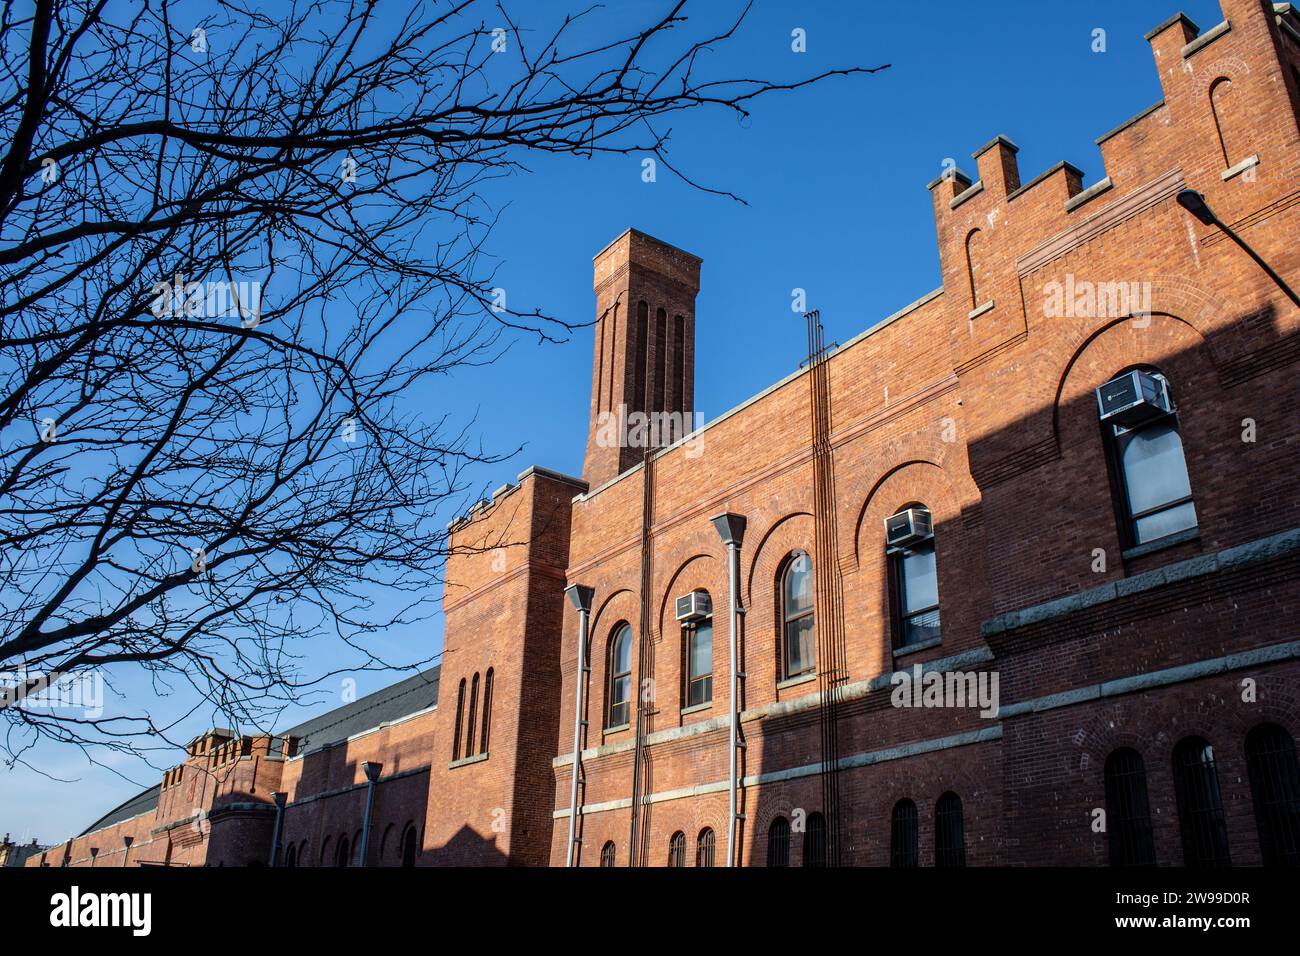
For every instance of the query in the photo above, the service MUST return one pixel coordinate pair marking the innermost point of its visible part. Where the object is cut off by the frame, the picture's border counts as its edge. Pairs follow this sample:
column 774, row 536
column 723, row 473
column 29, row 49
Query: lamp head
column 1195, row 203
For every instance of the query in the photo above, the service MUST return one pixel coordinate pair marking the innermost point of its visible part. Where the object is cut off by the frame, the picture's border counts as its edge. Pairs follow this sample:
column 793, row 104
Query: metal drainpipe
column 731, row 529
column 580, row 597
column 372, row 771
column 279, row 796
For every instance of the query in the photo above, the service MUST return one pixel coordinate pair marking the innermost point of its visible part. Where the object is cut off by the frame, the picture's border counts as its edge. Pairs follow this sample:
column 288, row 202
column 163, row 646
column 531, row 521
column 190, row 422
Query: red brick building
column 1016, row 577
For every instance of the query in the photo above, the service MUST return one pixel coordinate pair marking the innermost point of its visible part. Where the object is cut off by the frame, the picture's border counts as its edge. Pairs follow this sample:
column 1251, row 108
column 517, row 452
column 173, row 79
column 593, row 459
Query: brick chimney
column 644, row 354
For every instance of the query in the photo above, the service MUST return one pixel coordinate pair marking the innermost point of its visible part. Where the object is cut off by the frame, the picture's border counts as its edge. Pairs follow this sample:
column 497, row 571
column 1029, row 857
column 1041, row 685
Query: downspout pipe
column 731, row 529
column 372, row 770
column 280, row 797
column 580, row 597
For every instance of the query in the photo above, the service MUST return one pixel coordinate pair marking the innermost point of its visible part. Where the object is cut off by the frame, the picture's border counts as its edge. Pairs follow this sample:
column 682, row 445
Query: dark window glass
column 814, row 841
column 704, row 848
column 778, row 843
column 460, row 715
column 699, row 663
column 949, row 832
column 473, row 717
column 677, row 849
column 620, row 678
column 1128, row 814
column 343, row 855
column 607, row 854
column 487, row 713
column 410, row 845
column 800, row 651
column 1270, row 756
column 1275, row 787
column 1200, row 807
column 904, row 833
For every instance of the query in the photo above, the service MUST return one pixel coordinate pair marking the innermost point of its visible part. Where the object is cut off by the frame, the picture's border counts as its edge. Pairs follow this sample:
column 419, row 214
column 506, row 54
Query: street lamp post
column 1195, row 204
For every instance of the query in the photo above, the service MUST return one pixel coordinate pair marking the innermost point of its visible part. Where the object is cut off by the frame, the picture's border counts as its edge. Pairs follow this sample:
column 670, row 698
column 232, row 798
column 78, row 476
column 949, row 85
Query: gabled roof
column 142, row 802
column 418, row 692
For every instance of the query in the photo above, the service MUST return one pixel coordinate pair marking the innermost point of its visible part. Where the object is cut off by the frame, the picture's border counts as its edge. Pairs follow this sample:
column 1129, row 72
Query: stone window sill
column 696, row 708
column 614, row 730
column 915, row 648
column 1249, row 163
column 466, row 761
column 977, row 312
column 796, row 681
column 1159, row 544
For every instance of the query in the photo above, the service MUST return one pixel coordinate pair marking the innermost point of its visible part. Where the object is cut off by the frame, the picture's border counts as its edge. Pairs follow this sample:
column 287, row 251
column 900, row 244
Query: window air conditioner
column 908, row 527
column 1133, row 399
column 695, row 606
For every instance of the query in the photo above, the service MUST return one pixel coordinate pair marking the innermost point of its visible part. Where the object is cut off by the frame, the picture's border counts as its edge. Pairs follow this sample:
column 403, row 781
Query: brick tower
column 643, row 374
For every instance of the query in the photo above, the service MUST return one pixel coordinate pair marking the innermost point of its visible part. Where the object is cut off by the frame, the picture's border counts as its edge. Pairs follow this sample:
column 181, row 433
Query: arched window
column 1275, row 788
column 343, row 855
column 799, row 651
column 698, row 649
column 814, row 840
column 473, row 717
column 1128, row 814
column 677, row 849
column 949, row 832
column 410, row 844
column 325, row 858
column 386, row 843
column 291, row 856
column 904, row 833
column 460, row 715
column 704, row 847
column 607, row 854
column 913, row 576
column 618, row 712
column 356, row 850
column 1154, row 491
column 487, row 712
column 778, row 842
column 1200, row 806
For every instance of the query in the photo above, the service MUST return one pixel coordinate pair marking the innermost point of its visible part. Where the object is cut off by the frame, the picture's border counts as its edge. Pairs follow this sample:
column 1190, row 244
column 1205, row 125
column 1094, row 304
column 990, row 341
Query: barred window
column 1201, row 823
column 949, row 832
column 607, row 854
column 904, row 835
column 778, row 842
column 677, row 849
column 1275, row 788
column 410, row 844
column 1128, row 814
column 814, row 840
column 704, row 848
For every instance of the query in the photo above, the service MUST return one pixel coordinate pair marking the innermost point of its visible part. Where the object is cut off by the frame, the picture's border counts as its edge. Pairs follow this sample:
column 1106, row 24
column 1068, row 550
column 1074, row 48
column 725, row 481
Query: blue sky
column 835, row 183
